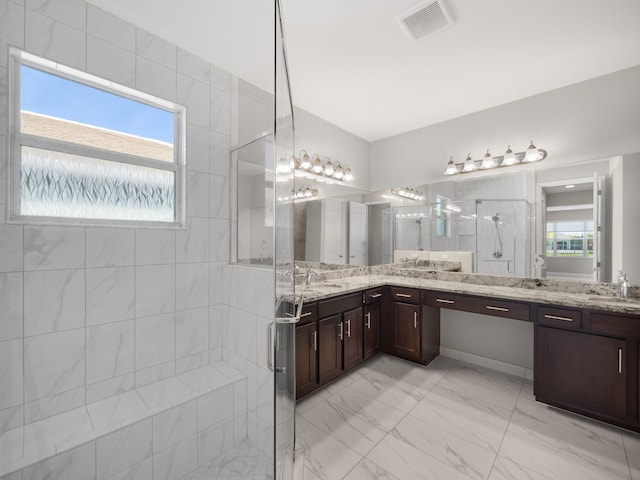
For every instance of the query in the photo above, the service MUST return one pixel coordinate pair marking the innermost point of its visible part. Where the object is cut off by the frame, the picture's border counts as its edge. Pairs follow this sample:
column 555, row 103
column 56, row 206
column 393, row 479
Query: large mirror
column 554, row 223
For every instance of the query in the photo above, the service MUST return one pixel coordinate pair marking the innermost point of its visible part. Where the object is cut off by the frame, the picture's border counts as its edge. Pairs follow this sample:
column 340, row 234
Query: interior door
column 598, row 227
column 358, row 226
column 333, row 231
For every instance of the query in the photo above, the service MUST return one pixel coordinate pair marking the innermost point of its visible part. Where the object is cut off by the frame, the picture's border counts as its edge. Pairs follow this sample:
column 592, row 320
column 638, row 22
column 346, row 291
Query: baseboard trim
column 500, row 366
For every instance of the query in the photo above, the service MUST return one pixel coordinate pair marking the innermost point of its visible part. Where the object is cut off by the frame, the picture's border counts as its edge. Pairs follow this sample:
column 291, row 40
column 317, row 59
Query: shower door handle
column 270, row 345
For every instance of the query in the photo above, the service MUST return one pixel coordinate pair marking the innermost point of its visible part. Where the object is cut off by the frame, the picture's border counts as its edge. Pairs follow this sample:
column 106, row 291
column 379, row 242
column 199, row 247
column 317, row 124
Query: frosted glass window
column 86, row 150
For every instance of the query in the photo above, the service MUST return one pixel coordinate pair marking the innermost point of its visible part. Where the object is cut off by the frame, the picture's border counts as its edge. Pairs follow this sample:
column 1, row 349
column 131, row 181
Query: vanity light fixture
column 488, row 161
column 530, row 155
column 300, row 194
column 409, row 193
column 316, row 169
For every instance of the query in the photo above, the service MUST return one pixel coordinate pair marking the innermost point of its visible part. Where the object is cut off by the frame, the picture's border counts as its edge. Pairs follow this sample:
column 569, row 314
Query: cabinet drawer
column 405, row 295
column 559, row 317
column 611, row 324
column 309, row 313
column 333, row 306
column 373, row 295
column 485, row 306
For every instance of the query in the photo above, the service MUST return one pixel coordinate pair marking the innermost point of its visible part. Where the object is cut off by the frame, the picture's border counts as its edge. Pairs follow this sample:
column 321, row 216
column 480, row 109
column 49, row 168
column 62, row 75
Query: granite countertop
column 570, row 294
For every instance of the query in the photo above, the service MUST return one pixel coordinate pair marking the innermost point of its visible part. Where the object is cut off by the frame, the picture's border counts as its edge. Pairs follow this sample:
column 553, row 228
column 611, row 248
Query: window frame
column 17, row 139
column 585, row 239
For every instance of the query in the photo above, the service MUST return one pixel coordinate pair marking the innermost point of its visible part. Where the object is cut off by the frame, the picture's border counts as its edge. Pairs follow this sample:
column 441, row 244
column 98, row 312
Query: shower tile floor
column 394, row 420
column 243, row 462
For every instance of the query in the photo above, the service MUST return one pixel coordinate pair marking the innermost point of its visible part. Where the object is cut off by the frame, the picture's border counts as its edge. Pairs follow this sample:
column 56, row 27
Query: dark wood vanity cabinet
column 330, row 332
column 371, row 328
column 587, row 362
column 353, row 338
column 580, row 370
column 306, row 359
column 406, row 331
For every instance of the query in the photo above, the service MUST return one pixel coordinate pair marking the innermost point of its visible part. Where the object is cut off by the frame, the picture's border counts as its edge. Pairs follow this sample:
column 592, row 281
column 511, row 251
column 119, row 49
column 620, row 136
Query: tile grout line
column 513, row 410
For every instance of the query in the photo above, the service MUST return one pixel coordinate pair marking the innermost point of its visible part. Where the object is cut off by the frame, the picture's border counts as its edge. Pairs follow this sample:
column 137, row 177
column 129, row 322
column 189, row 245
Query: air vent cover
column 425, row 18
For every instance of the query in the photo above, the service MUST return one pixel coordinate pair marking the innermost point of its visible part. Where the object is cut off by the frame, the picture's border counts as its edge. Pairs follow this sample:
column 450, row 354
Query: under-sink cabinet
column 587, row 362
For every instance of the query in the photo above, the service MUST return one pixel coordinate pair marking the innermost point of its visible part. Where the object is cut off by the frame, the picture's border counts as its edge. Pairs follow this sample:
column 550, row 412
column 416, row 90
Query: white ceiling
column 352, row 64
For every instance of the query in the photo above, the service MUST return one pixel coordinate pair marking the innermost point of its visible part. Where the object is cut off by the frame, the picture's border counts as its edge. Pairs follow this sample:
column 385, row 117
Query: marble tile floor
column 393, row 420
column 243, row 462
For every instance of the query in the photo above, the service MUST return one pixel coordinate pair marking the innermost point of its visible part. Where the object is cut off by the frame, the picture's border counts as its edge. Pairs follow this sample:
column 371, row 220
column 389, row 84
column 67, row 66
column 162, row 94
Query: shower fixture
column 497, row 241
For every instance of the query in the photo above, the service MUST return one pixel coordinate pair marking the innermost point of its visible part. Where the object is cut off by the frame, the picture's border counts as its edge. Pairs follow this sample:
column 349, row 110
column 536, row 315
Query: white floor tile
column 367, row 470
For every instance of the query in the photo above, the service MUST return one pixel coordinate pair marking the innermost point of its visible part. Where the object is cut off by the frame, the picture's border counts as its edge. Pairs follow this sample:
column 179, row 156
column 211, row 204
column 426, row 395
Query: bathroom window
column 570, row 239
column 86, row 150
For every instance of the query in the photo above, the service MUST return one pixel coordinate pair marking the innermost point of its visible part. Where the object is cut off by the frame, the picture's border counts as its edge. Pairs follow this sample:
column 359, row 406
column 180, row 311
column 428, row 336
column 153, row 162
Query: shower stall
column 496, row 233
column 144, row 352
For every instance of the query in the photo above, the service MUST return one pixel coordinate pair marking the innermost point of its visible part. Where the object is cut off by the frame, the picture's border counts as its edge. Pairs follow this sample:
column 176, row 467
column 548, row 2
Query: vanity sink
column 603, row 298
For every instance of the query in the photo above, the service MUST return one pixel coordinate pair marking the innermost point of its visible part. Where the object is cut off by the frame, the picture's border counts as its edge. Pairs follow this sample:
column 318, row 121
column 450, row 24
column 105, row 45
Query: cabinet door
column 406, row 334
column 371, row 330
column 330, row 333
column 353, row 338
column 306, row 359
column 581, row 370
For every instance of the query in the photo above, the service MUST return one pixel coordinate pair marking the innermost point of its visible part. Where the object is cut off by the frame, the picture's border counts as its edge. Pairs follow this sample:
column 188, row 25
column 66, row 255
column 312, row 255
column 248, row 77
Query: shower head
column 496, row 218
column 419, row 221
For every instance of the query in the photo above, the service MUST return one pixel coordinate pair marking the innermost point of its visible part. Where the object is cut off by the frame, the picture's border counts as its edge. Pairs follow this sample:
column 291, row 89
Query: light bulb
column 328, row 168
column 305, row 162
column 348, row 176
column 284, row 165
column 532, row 154
column 451, row 168
column 509, row 157
column 316, row 164
column 469, row 165
column 339, row 172
column 488, row 161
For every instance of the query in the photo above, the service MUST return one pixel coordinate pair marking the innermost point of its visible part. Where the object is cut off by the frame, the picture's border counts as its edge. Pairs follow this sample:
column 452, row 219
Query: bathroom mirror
column 533, row 223
column 332, row 225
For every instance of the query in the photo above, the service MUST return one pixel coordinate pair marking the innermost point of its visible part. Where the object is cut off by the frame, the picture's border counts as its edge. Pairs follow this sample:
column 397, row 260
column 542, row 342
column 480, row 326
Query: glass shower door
column 283, row 335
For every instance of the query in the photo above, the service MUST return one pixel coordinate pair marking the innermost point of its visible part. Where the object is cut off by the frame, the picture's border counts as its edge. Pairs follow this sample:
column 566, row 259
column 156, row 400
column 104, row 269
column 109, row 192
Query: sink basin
column 603, row 298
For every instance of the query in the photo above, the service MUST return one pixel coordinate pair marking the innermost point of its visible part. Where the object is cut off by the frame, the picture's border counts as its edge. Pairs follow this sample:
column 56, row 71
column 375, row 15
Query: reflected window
column 570, row 239
column 441, row 217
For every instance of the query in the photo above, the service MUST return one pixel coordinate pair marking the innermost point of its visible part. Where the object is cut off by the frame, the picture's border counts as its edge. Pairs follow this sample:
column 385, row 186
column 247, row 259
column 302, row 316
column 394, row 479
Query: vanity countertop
column 576, row 295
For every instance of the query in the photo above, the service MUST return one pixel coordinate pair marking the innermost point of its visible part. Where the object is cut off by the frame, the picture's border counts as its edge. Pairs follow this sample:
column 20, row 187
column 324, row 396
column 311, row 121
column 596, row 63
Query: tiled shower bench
column 159, row 431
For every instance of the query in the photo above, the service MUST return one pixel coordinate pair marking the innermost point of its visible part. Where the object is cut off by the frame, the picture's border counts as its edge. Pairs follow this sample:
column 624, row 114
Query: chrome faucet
column 293, row 271
column 310, row 273
column 623, row 283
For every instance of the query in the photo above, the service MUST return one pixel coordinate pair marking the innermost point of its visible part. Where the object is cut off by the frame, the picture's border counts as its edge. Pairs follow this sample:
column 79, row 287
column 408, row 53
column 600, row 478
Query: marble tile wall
column 90, row 312
column 248, row 306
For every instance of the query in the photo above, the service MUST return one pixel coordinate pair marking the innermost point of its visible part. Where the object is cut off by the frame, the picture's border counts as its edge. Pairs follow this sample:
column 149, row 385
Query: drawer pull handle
column 403, row 295
column 306, row 314
column 619, row 360
column 368, row 315
column 377, row 295
column 341, row 330
column 556, row 317
column 415, row 319
column 315, row 341
column 349, row 328
column 442, row 300
column 499, row 309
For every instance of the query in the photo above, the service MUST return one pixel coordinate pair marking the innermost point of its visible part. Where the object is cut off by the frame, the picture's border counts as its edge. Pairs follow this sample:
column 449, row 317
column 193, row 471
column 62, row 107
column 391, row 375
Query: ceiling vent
column 425, row 18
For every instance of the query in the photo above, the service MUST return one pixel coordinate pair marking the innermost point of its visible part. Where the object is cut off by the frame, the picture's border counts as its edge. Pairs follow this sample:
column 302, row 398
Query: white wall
column 319, row 136
column 594, row 119
column 626, row 218
column 502, row 339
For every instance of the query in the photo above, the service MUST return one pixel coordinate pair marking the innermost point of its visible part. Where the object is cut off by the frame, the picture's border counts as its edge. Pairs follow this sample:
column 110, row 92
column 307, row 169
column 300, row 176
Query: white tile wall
column 91, row 313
